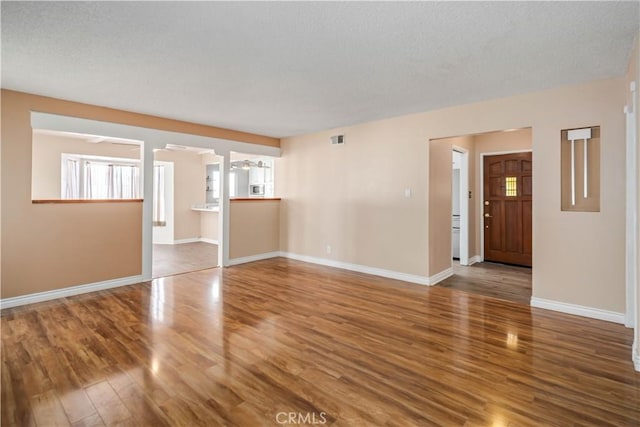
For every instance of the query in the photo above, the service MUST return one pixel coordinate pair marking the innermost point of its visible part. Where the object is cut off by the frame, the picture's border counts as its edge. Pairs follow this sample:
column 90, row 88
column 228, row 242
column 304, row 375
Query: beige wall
column 189, row 189
column 352, row 196
column 46, row 164
column 253, row 227
column 68, row 249
column 209, row 225
column 47, row 247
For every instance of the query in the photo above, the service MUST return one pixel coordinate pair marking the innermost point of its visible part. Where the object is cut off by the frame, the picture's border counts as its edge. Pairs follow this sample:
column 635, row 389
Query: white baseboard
column 474, row 259
column 636, row 356
column 252, row 258
column 67, row 292
column 629, row 321
column 190, row 240
column 422, row 280
column 579, row 310
column 210, row 241
column 439, row 277
column 390, row 274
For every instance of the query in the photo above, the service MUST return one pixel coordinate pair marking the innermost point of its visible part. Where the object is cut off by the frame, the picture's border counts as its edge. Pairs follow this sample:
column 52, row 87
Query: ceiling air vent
column 337, row 139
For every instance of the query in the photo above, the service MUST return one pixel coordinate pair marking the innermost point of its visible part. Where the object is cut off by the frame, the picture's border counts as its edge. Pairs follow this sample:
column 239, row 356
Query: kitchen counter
column 206, row 208
column 216, row 208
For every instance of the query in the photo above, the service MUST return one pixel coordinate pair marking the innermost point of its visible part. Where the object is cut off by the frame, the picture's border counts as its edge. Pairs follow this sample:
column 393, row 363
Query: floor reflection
column 236, row 346
column 157, row 300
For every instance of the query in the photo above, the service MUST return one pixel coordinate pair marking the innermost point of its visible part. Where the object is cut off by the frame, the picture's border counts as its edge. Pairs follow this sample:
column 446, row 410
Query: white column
column 224, row 214
column 632, row 233
column 147, row 210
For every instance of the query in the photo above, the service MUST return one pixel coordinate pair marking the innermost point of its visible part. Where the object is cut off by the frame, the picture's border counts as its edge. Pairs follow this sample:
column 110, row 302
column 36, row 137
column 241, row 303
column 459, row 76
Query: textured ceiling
column 282, row 69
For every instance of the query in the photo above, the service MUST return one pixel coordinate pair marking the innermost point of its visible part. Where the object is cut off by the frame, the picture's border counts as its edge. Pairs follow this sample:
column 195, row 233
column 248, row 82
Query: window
column 511, row 186
column 215, row 183
column 232, row 184
column 94, row 177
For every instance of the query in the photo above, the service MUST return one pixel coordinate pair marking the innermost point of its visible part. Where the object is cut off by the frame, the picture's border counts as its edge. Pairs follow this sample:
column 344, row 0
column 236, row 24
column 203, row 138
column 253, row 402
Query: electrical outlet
column 328, row 249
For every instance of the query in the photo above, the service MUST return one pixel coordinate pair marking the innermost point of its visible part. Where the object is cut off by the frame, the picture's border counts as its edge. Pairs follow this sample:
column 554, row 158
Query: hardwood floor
column 183, row 258
column 508, row 282
column 281, row 340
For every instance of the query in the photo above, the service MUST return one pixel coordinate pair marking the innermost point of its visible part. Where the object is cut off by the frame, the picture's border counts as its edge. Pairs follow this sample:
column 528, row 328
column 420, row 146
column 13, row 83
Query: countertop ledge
column 255, row 199
column 69, row 201
column 212, row 209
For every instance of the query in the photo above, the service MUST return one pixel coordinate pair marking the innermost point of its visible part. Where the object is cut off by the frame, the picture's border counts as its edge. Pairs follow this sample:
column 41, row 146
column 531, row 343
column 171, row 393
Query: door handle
column 487, row 215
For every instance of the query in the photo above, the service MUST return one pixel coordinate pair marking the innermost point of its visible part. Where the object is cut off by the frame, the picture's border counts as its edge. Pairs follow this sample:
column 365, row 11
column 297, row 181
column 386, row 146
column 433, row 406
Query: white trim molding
column 635, row 356
column 439, row 277
column 67, row 292
column 474, row 259
column 579, row 310
column 210, row 241
column 189, row 240
column 252, row 258
column 196, row 240
column 464, row 203
column 631, row 267
column 390, row 274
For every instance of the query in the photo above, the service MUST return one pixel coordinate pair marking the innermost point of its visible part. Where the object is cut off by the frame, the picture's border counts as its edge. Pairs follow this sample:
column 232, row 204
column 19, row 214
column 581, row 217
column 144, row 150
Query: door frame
column 481, row 198
column 464, row 207
column 631, row 267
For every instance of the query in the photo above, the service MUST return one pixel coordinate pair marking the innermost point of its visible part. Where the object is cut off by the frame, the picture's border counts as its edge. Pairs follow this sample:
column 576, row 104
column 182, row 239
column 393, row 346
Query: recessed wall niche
column 580, row 169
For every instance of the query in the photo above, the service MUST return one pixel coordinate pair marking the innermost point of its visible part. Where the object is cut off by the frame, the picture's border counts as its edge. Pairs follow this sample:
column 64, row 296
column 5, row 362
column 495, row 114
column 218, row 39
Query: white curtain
column 88, row 181
column 123, row 182
column 72, row 179
column 97, row 180
column 133, row 183
column 159, row 219
column 114, row 178
column 109, row 181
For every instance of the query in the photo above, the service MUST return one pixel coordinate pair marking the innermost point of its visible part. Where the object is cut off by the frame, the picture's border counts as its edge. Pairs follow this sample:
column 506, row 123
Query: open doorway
column 186, row 191
column 460, row 206
column 498, row 242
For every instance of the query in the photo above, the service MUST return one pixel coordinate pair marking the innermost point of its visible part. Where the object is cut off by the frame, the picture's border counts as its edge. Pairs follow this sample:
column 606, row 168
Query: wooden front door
column 508, row 198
